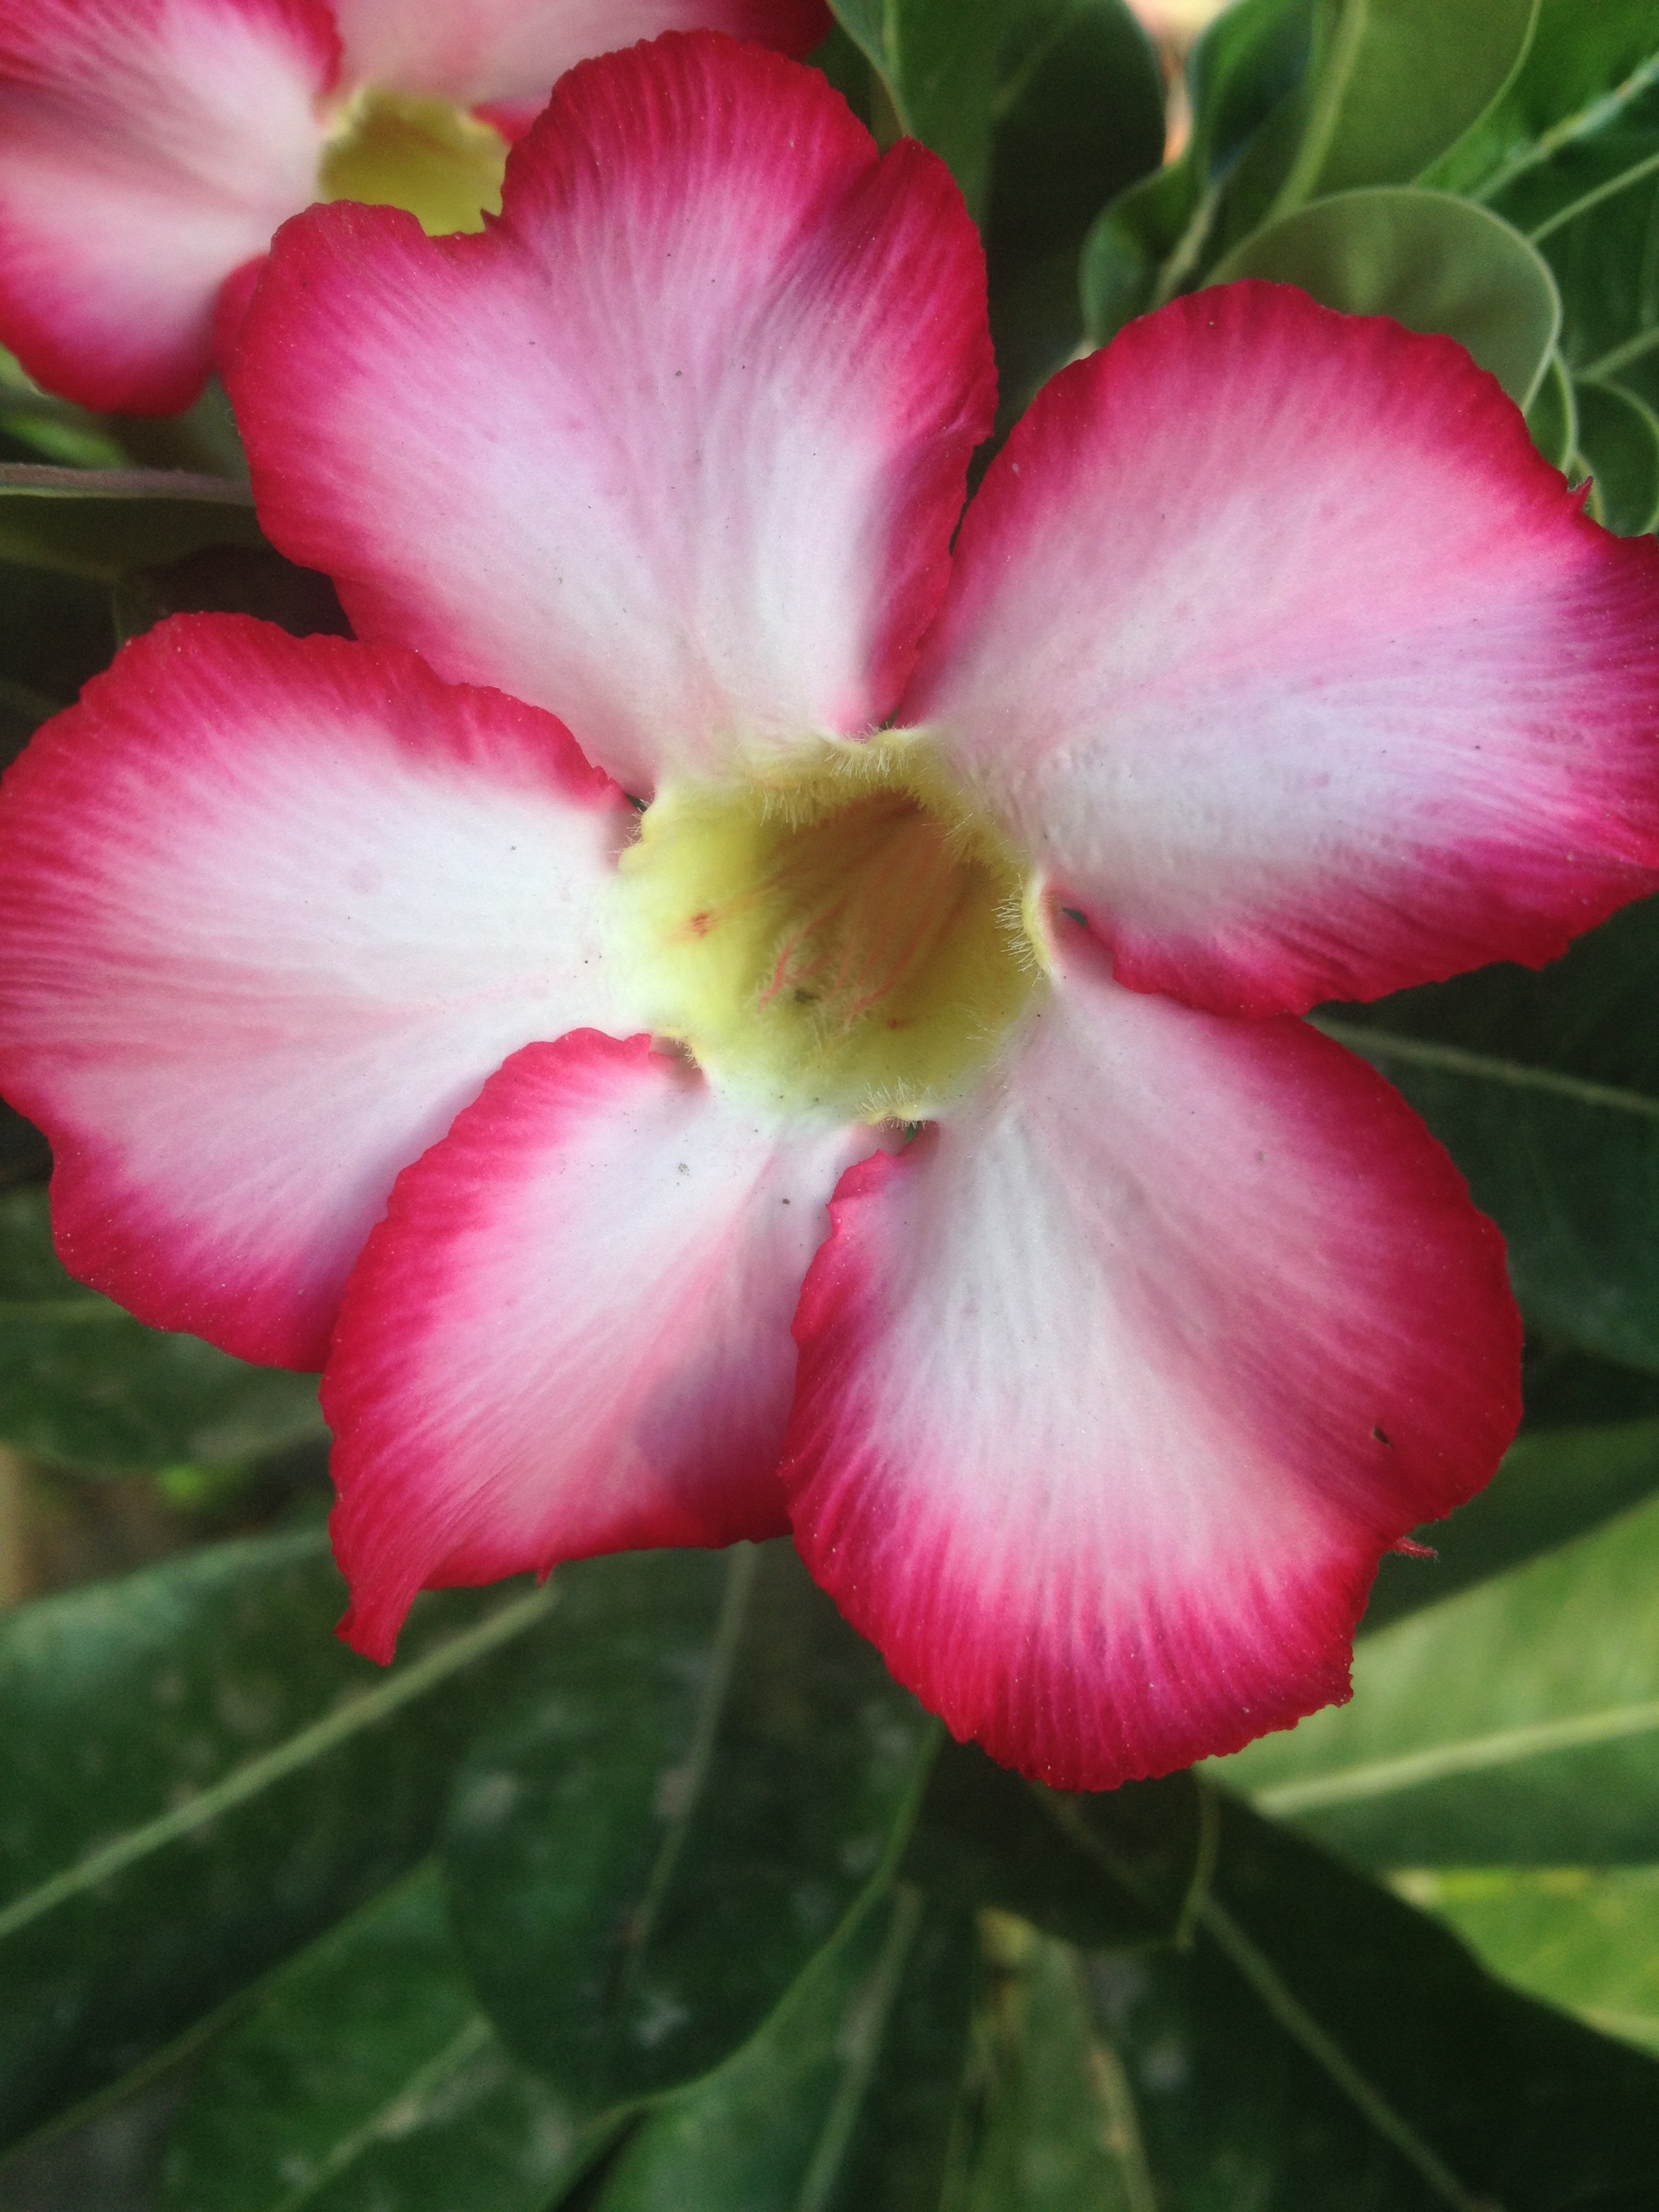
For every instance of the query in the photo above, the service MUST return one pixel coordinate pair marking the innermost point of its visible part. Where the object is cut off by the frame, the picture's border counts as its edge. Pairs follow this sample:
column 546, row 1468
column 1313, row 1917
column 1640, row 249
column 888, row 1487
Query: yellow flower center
column 845, row 937
column 391, row 150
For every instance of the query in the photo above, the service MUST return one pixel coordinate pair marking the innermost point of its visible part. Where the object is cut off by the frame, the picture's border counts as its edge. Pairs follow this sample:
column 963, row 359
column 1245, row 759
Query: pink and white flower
column 149, row 148
column 371, row 1022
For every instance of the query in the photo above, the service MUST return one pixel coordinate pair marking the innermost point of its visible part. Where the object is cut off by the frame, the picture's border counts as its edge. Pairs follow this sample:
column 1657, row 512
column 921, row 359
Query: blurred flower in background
column 149, row 148
column 1174, row 25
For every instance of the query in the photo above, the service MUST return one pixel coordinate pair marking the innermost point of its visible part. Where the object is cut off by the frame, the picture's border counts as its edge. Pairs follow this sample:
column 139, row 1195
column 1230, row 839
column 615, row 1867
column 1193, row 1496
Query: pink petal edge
column 737, row 364
column 270, row 910
column 570, row 1334
column 1277, row 645
column 1114, row 1388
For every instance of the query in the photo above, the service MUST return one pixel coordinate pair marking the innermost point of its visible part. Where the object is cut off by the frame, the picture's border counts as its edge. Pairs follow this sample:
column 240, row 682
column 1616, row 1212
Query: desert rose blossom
column 372, row 1023
column 149, row 148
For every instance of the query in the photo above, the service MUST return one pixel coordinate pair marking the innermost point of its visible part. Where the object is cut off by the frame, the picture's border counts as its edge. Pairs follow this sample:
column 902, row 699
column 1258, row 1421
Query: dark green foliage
column 677, row 1816
column 83, row 1383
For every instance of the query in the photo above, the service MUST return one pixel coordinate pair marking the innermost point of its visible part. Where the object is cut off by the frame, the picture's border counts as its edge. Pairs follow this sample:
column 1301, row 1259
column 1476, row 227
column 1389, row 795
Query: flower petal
column 148, row 147
column 479, row 52
column 1302, row 674
column 270, row 910
column 735, row 365
column 1113, row 1391
column 570, row 1334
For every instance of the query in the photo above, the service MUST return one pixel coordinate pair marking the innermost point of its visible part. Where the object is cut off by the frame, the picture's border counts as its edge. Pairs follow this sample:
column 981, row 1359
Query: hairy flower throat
column 847, row 939
column 394, row 149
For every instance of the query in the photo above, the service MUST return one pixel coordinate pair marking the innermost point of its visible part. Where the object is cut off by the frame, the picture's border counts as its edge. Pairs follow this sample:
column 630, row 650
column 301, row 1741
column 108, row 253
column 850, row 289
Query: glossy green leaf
column 1554, row 1485
column 1515, row 1724
column 1392, row 85
column 1293, row 105
column 1578, row 93
column 1618, row 448
column 1545, row 1090
column 1596, row 241
column 204, row 439
column 80, row 1382
column 1432, row 262
column 1569, row 156
column 1158, row 238
column 98, row 522
column 1077, row 116
column 365, row 2074
column 198, row 1779
column 1319, row 2043
column 938, row 60
column 844, row 2101
column 844, row 61
column 1057, row 2131
column 1114, row 1869
column 35, row 430
column 675, row 1817
column 1584, row 1938
column 1552, row 416
column 42, row 427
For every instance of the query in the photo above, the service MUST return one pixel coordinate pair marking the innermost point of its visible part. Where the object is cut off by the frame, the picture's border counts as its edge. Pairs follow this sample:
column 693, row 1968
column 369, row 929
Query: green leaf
column 22, row 710
column 198, row 1779
column 1305, row 2041
column 1552, row 417
column 938, row 59
column 1564, row 1389
column 23, row 1154
column 1432, row 262
column 1077, row 116
column 1158, row 238
column 1569, row 156
column 1545, row 1090
column 1383, row 88
column 1112, row 1870
column 98, row 522
column 1319, row 2043
column 82, row 1383
column 49, row 428
column 1584, row 1938
column 364, row 2073
column 1618, row 445
column 231, row 579
column 1554, row 1485
column 1517, row 1723
column 843, row 2101
column 675, row 1818
column 1392, row 84
column 848, row 67
column 1057, row 2129
column 1583, row 82
column 55, row 632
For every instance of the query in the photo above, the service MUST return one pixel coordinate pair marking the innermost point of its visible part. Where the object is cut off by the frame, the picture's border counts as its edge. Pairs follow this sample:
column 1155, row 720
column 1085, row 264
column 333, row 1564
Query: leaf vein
column 300, row 1750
